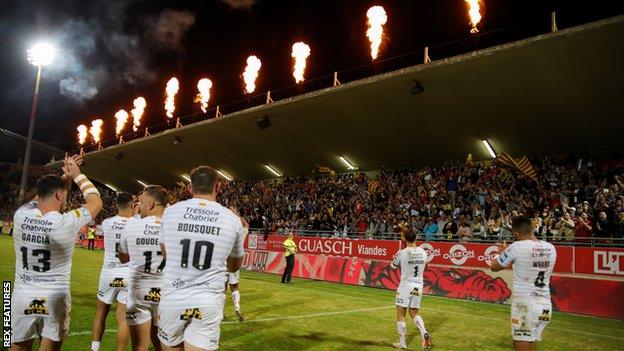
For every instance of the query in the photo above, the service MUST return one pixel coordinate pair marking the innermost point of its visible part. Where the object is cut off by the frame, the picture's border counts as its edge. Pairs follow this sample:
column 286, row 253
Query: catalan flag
column 523, row 165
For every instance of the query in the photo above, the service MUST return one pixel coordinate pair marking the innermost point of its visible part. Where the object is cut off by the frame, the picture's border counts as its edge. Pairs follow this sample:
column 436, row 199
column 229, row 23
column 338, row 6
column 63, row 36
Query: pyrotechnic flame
column 300, row 52
column 122, row 118
column 172, row 89
column 251, row 73
column 474, row 14
column 137, row 112
column 82, row 134
column 376, row 19
column 203, row 86
column 96, row 130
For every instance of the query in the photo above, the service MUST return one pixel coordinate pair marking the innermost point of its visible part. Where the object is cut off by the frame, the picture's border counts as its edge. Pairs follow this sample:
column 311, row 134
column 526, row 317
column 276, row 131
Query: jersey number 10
column 198, row 263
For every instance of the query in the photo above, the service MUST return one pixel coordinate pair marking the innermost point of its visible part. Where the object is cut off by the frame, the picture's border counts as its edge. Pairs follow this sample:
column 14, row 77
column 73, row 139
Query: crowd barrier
column 586, row 280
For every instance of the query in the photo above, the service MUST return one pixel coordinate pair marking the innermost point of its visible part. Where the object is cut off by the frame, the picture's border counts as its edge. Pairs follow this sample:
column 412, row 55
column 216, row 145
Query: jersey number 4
column 43, row 258
column 198, row 250
column 539, row 281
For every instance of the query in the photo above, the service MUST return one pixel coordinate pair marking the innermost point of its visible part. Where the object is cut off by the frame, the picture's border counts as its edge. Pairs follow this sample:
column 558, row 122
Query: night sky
column 110, row 52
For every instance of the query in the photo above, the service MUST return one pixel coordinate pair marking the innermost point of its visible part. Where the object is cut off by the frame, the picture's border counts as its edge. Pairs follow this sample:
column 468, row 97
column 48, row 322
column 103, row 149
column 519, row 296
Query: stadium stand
column 574, row 200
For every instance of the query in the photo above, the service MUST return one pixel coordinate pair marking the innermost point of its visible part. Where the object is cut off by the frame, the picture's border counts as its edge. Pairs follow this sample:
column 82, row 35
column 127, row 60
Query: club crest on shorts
column 191, row 313
column 415, row 292
column 545, row 316
column 153, row 295
column 117, row 283
column 37, row 306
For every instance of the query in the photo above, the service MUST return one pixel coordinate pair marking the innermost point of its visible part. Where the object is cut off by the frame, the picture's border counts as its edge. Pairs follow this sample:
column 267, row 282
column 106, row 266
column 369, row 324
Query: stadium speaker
column 417, row 88
column 119, row 157
column 263, row 122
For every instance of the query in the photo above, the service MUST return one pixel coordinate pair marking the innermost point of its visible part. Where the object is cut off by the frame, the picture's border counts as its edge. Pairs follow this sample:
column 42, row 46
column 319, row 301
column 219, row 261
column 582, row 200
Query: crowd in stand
column 572, row 200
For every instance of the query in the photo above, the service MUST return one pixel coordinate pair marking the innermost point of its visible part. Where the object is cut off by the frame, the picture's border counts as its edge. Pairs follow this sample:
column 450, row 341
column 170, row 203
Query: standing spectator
column 430, row 230
column 463, row 232
column 441, row 225
column 478, row 229
column 565, row 226
column 583, row 227
column 290, row 248
column 604, row 228
column 91, row 238
column 494, row 227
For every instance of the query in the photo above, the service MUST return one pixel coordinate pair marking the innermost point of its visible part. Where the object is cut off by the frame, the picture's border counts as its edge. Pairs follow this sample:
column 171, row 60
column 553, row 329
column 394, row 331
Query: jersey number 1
column 197, row 252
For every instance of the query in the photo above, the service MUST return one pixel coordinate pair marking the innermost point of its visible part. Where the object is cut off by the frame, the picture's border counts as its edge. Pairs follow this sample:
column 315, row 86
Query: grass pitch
column 313, row 315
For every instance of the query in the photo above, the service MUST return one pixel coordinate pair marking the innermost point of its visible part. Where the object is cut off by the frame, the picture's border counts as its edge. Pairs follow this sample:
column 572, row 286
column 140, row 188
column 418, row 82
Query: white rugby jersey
column 533, row 263
column 199, row 235
column 44, row 245
column 412, row 261
column 112, row 228
column 139, row 239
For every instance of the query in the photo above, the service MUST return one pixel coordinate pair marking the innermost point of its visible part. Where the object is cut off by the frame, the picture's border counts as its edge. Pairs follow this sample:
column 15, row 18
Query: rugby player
column 139, row 245
column 533, row 261
column 412, row 261
column 113, row 277
column 44, row 245
column 201, row 240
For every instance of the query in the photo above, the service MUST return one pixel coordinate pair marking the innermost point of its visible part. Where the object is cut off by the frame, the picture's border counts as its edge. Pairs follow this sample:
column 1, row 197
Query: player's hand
column 502, row 247
column 70, row 168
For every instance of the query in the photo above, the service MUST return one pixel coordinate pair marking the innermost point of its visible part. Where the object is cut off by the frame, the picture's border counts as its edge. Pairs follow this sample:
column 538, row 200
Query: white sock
column 420, row 324
column 95, row 346
column 236, row 299
column 402, row 329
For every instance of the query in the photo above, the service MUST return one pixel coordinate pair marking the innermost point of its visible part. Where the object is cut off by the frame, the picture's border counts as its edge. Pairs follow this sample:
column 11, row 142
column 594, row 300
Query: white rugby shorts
column 529, row 319
column 199, row 326
column 408, row 296
column 45, row 316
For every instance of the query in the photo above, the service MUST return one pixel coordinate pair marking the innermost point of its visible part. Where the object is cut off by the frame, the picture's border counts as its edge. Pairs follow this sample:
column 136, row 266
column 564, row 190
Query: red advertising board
column 367, row 249
column 599, row 260
column 442, row 253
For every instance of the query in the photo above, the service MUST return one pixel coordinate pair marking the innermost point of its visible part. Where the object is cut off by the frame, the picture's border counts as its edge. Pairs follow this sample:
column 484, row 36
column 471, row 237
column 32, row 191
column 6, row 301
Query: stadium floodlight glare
column 142, row 182
column 273, row 170
column 227, row 177
column 347, row 163
column 41, row 54
column 489, row 148
column 187, row 178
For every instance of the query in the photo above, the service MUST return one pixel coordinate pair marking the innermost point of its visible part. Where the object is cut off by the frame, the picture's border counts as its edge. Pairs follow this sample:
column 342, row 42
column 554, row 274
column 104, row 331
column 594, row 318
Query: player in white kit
column 139, row 245
column 533, row 261
column 412, row 261
column 113, row 277
column 201, row 240
column 233, row 278
column 44, row 245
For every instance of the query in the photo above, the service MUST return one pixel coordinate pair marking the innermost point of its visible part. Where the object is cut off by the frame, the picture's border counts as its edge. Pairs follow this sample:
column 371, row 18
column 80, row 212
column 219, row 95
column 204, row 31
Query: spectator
column 430, row 230
column 565, row 227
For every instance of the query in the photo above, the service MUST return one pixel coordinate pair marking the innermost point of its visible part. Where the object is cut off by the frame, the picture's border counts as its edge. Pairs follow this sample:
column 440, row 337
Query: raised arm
column 71, row 171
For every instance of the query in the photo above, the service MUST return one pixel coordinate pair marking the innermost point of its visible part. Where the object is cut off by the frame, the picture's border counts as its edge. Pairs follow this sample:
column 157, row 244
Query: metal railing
column 589, row 242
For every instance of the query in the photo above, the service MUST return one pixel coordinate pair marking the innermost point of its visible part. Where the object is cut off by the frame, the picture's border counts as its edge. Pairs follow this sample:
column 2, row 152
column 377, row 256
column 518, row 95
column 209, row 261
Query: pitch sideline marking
column 324, row 314
column 270, row 319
